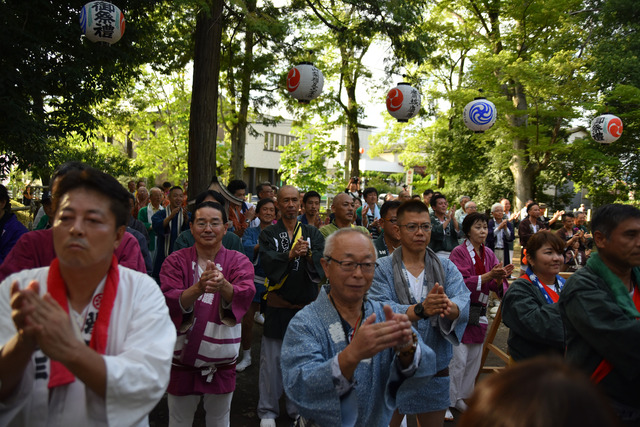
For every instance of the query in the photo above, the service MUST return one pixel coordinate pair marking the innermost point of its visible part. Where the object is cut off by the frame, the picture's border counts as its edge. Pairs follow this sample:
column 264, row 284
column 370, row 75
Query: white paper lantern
column 479, row 115
column 403, row 102
column 102, row 21
column 606, row 128
column 305, row 82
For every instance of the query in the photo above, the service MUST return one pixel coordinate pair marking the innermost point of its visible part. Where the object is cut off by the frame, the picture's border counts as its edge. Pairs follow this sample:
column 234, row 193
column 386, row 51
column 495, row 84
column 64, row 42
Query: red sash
column 56, row 287
column 552, row 294
column 604, row 368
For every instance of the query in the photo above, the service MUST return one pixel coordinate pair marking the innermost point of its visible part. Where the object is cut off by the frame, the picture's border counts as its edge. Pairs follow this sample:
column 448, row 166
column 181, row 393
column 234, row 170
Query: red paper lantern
column 403, row 102
column 305, row 82
column 606, row 128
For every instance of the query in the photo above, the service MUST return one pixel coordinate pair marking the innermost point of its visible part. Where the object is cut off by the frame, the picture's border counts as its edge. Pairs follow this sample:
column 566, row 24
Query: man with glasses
column 290, row 254
column 345, row 356
column 208, row 289
column 389, row 240
column 431, row 291
column 343, row 208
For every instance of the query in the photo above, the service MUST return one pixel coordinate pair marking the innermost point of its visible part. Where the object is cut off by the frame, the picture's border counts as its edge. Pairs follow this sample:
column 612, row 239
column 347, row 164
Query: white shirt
column 137, row 357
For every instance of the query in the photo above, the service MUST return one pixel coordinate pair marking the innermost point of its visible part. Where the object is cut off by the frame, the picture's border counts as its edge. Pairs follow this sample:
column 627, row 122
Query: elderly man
column 146, row 213
column 600, row 307
column 168, row 224
column 403, row 196
column 208, row 289
column 353, row 369
column 500, row 235
column 461, row 212
column 84, row 341
column 389, row 240
column 431, row 291
column 445, row 227
column 290, row 254
column 343, row 208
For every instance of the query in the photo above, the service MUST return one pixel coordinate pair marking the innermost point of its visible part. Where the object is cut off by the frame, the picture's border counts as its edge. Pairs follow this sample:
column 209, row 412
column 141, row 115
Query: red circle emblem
column 394, row 99
column 121, row 24
column 97, row 300
column 615, row 127
column 293, row 79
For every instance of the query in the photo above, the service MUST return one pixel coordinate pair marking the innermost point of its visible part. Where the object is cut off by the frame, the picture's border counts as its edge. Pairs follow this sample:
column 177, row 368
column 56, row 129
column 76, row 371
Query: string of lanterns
column 103, row 22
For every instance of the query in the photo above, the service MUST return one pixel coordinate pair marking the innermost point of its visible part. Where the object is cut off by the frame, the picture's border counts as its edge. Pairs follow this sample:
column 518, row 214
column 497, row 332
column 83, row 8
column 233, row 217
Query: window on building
column 276, row 141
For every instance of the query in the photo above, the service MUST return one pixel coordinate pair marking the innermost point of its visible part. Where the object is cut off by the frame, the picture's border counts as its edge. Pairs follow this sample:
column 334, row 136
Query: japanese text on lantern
column 104, row 19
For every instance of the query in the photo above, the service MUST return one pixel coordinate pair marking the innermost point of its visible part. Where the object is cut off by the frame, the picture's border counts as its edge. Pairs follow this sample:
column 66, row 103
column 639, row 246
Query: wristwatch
column 418, row 309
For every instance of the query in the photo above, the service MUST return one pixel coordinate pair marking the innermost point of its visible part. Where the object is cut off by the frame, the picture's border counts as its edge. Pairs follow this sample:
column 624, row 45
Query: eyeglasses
column 202, row 225
column 391, row 220
column 365, row 267
column 413, row 227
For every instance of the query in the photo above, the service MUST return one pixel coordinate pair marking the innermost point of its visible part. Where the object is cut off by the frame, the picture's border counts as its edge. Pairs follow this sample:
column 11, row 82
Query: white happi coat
column 138, row 355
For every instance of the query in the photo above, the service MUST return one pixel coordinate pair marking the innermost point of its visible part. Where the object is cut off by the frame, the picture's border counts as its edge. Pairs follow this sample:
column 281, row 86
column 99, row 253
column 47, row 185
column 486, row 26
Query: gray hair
column 329, row 244
column 464, row 197
column 495, row 206
column 466, row 205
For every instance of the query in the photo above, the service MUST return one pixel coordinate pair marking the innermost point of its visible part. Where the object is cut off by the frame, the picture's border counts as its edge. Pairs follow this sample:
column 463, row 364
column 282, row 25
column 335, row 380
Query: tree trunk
column 352, row 129
column 238, row 143
column 203, row 119
column 522, row 167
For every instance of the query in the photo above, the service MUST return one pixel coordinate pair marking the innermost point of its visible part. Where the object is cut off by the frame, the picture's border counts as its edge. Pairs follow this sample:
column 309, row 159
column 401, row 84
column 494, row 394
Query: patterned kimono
column 314, row 338
column 209, row 336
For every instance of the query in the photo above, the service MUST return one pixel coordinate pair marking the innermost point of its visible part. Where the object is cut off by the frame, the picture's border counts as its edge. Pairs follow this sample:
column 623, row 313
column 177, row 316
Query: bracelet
column 404, row 351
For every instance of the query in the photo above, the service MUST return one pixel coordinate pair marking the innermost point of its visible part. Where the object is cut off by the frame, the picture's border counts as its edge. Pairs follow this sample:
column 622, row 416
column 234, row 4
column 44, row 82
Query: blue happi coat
column 438, row 333
column 314, row 337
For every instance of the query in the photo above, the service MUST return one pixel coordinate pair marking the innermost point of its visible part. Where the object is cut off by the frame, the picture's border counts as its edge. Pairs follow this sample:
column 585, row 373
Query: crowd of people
column 373, row 316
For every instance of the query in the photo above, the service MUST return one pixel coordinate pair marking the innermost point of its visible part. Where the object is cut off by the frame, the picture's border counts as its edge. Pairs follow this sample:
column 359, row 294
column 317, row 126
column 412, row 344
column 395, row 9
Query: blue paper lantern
column 479, row 115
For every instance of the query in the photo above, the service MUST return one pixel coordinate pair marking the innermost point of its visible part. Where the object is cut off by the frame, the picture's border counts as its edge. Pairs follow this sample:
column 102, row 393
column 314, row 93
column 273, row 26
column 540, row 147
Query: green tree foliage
column 302, row 162
column 529, row 57
column 51, row 76
column 254, row 54
column 341, row 33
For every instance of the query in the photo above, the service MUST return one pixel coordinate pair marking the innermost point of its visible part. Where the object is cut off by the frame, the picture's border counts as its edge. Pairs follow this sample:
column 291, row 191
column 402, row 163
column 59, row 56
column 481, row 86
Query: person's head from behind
column 545, row 253
column 616, row 233
column 91, row 212
column 541, row 392
column 311, row 203
column 413, row 226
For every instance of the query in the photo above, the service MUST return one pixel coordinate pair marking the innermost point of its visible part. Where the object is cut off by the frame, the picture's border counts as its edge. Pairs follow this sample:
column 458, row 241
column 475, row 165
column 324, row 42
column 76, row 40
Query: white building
column 262, row 153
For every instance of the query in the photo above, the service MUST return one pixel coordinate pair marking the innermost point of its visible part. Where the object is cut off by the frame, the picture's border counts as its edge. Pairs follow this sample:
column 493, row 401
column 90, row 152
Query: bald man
column 290, row 254
column 343, row 209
